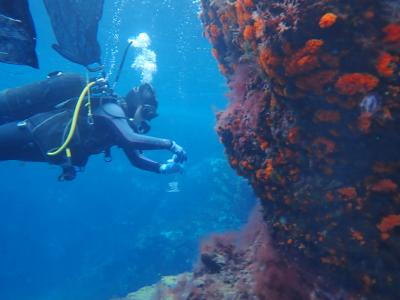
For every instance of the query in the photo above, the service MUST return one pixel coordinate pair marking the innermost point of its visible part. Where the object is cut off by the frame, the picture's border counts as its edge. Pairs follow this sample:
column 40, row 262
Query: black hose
column 121, row 65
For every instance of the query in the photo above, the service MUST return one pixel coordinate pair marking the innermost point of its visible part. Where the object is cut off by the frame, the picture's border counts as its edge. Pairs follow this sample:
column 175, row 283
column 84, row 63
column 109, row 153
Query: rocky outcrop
column 314, row 125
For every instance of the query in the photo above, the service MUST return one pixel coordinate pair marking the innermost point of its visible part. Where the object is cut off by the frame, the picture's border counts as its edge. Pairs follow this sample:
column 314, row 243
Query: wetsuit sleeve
column 142, row 162
column 126, row 137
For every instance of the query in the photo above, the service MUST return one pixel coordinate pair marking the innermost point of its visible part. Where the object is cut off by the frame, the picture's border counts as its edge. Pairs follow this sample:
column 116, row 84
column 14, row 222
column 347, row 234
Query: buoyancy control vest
column 23, row 102
column 49, row 130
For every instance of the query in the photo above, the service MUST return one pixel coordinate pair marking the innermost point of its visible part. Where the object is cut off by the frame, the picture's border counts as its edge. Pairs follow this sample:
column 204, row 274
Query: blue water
column 116, row 228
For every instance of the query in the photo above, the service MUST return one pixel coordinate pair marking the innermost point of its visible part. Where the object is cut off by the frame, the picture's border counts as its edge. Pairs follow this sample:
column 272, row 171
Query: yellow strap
column 74, row 121
column 68, row 152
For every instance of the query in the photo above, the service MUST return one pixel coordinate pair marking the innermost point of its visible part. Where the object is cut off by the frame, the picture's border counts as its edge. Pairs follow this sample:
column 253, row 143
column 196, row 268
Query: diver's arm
column 127, row 138
column 142, row 162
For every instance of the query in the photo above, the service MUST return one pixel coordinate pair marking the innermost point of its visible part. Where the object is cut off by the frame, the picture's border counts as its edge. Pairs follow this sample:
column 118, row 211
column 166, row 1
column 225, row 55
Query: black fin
column 75, row 24
column 17, row 34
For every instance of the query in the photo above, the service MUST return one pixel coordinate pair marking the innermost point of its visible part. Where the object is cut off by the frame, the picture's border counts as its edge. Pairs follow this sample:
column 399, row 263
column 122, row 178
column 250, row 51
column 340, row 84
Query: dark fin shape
column 75, row 24
column 17, row 34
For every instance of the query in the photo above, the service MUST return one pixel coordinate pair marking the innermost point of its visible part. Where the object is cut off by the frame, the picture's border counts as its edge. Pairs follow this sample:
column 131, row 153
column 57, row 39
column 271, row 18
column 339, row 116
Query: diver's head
column 141, row 105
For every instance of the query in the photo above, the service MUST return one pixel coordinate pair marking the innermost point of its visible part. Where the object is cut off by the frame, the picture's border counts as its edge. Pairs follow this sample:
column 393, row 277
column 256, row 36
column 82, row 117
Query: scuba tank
column 22, row 102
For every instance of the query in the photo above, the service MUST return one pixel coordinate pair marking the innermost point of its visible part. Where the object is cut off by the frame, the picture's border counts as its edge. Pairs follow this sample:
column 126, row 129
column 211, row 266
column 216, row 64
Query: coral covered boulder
column 314, row 124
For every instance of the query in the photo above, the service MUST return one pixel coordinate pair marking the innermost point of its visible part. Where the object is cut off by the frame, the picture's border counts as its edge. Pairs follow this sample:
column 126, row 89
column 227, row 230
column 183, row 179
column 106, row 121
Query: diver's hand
column 171, row 167
column 179, row 152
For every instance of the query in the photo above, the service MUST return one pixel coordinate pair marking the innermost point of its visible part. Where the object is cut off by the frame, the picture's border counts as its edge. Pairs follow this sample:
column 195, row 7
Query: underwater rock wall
column 313, row 124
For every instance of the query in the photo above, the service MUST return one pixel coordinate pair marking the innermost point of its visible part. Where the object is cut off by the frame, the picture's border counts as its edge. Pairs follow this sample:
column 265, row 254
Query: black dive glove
column 180, row 154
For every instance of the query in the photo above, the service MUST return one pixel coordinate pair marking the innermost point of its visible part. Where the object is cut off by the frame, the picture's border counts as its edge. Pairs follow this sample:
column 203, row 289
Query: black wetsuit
column 31, row 139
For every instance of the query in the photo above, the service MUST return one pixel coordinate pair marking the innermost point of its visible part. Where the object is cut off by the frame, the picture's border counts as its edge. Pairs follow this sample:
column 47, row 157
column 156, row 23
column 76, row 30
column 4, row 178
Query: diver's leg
column 16, row 143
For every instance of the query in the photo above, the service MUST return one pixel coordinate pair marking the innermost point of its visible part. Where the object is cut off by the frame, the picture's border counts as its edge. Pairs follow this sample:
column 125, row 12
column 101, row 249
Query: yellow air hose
column 73, row 123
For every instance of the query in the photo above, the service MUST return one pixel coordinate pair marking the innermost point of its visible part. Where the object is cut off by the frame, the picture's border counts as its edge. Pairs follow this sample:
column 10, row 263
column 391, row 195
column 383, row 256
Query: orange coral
column 384, row 185
column 259, row 26
column 387, row 114
column 268, row 168
column 347, row 193
column 222, row 69
column 308, row 62
column 226, row 18
column 354, row 83
column 305, row 59
column 248, row 3
column 280, row 158
column 330, row 60
column 326, row 116
column 334, row 133
column 328, row 145
column 387, row 224
column 248, row 33
column 234, row 162
column 313, row 46
column 302, row 65
column 264, row 146
column 357, row 235
column 392, row 33
column 214, row 53
column 264, row 174
column 385, row 64
column 368, row 282
column 329, row 196
column 369, row 14
column 327, row 20
column 214, row 32
column 242, row 15
column 364, row 122
column 268, row 61
column 293, row 134
column 273, row 102
column 382, row 167
column 246, row 165
column 316, row 82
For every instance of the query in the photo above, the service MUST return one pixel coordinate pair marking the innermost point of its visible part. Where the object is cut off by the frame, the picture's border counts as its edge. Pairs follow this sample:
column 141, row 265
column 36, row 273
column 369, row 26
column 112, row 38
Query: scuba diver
column 47, row 121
